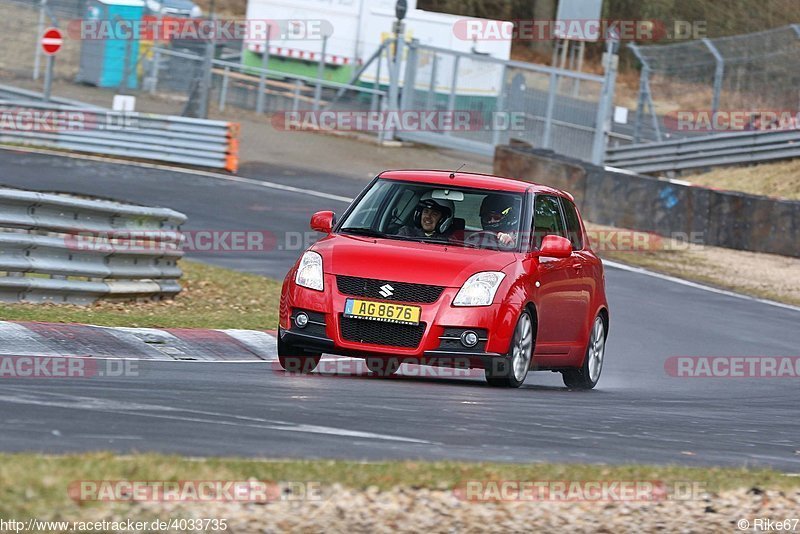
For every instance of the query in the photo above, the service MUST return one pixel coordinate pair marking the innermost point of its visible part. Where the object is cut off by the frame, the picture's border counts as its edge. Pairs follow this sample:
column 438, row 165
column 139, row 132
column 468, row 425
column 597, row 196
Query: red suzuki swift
column 450, row 269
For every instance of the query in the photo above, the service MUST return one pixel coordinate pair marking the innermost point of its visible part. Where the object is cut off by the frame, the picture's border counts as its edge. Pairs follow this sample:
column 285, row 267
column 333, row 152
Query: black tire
column 510, row 372
column 296, row 360
column 587, row 376
column 383, row 367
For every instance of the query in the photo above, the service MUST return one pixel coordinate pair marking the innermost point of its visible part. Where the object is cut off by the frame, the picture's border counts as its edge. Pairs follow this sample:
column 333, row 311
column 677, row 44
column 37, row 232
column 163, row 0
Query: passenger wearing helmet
column 432, row 218
column 499, row 215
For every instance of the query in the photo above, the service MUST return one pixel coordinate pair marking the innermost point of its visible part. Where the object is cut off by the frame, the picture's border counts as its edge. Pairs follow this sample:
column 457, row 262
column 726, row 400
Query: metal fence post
column 37, row 59
column 374, row 102
column 262, row 77
column 296, row 95
column 499, row 107
column 603, row 120
column 394, row 84
column 552, row 90
column 223, row 92
column 410, row 78
column 320, row 73
column 451, row 99
column 205, row 82
column 430, row 102
column 719, row 72
column 153, row 81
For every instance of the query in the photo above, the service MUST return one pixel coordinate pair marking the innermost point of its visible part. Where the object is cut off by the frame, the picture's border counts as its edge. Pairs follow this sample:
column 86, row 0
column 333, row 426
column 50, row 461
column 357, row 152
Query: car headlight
column 196, row 12
column 309, row 273
column 479, row 289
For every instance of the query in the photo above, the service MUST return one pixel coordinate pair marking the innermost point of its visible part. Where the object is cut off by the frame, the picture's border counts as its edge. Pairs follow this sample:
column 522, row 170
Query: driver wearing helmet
column 499, row 215
column 432, row 218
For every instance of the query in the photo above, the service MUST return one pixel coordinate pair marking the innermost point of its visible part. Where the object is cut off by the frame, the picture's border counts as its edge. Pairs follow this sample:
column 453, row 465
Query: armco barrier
column 628, row 200
column 707, row 151
column 64, row 248
column 195, row 142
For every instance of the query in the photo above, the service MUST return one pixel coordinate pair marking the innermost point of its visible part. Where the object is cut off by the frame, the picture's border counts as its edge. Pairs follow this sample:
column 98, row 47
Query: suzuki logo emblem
column 386, row 291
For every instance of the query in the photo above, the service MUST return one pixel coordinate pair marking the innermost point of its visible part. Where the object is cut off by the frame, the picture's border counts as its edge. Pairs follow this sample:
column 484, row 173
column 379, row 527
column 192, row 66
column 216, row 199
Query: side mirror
column 322, row 221
column 555, row 246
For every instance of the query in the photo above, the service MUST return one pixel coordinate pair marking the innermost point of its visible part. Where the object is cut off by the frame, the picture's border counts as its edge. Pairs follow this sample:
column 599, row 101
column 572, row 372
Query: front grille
column 380, row 333
column 401, row 291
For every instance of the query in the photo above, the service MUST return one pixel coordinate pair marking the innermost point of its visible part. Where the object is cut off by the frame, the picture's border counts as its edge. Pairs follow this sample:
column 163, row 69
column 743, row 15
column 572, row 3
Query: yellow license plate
column 382, row 311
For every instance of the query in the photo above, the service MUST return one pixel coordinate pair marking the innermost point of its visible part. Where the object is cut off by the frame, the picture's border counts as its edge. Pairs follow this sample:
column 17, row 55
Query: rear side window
column 573, row 224
column 546, row 219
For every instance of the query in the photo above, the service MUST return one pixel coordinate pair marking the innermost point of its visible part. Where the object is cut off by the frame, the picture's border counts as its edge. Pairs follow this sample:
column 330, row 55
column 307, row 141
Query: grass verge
column 780, row 179
column 212, row 297
column 35, row 486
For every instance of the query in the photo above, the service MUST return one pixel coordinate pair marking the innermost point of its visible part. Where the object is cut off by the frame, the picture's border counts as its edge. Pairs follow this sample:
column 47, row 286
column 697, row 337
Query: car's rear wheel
column 296, row 360
column 510, row 372
column 383, row 366
column 588, row 375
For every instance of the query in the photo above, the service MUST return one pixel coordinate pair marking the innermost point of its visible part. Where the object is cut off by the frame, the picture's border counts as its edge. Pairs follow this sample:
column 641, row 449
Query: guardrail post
column 223, row 92
column 320, row 73
column 262, row 76
column 375, row 104
column 552, row 90
column 451, row 99
column 603, row 120
column 719, row 72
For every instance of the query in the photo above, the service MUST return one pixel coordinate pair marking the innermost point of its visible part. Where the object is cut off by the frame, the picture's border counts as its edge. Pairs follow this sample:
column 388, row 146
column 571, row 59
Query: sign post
column 51, row 42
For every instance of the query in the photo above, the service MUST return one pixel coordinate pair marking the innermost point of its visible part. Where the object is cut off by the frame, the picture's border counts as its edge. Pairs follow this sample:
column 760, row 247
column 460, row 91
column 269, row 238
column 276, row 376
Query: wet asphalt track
column 638, row 414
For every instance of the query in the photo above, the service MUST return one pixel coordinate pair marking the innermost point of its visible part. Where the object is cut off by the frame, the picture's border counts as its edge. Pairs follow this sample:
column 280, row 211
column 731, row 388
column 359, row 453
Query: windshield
column 465, row 217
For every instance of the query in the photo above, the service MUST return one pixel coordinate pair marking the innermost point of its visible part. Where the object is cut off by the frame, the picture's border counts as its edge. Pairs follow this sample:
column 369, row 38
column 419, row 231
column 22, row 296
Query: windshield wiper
column 369, row 232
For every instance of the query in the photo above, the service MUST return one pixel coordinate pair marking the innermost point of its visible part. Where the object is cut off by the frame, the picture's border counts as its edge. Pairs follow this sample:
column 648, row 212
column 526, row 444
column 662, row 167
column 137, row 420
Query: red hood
column 407, row 261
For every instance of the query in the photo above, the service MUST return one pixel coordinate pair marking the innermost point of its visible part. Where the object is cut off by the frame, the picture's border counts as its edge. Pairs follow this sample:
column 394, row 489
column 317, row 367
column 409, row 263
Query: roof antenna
column 453, row 174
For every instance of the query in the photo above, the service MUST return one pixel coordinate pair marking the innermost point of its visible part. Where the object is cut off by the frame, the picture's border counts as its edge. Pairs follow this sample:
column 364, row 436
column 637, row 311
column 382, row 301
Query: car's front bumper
column 438, row 320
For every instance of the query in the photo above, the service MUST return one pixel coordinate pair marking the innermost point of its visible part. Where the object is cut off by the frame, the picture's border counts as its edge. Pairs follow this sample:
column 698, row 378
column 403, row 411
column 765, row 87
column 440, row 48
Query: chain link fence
column 756, row 71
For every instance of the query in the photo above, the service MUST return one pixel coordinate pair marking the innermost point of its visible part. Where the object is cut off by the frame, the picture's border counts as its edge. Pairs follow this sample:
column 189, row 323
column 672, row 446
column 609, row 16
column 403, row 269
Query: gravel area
column 422, row 510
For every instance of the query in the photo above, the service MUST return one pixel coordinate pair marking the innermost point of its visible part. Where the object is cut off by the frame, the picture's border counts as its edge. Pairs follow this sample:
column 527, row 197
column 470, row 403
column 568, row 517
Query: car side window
column 546, row 219
column 574, row 231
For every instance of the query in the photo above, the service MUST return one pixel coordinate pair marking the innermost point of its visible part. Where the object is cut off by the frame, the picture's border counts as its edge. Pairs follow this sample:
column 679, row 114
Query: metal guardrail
column 706, row 151
column 198, row 142
column 64, row 248
column 16, row 94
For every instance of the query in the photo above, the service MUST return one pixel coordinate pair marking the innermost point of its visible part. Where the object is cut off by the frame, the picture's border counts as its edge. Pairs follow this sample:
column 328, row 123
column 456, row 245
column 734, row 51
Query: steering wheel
column 483, row 238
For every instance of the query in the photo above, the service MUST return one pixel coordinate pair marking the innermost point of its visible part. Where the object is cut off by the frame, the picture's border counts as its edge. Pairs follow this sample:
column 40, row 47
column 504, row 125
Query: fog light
column 469, row 338
column 301, row 320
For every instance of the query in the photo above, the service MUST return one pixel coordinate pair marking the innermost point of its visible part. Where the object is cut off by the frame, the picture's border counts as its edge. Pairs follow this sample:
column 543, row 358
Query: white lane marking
column 261, row 343
column 695, row 285
column 136, row 409
column 208, row 174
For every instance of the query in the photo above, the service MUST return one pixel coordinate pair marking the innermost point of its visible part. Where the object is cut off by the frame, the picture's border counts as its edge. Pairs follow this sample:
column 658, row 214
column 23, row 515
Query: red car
column 450, row 269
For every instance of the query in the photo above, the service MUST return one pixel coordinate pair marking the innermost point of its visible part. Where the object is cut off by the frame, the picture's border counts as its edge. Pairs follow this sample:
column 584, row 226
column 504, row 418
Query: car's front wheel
column 510, row 372
column 296, row 360
column 587, row 376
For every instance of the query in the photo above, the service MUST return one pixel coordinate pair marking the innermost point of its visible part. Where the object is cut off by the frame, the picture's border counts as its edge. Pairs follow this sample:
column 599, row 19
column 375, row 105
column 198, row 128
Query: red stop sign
column 51, row 41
